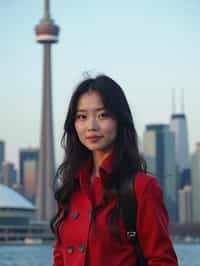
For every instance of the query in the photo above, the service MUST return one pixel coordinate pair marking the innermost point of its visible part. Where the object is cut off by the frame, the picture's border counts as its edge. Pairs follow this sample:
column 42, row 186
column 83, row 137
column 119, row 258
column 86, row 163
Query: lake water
column 189, row 255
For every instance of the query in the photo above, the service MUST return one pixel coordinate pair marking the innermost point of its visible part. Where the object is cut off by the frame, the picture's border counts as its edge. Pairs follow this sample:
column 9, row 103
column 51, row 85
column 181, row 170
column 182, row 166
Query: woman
column 101, row 153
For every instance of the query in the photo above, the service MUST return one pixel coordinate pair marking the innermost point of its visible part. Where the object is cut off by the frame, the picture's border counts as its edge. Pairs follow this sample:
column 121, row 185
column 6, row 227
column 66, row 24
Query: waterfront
column 40, row 255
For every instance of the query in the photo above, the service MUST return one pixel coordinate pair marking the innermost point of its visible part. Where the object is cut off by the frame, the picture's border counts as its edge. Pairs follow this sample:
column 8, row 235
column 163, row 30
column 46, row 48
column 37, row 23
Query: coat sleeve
column 153, row 227
column 57, row 252
column 57, row 255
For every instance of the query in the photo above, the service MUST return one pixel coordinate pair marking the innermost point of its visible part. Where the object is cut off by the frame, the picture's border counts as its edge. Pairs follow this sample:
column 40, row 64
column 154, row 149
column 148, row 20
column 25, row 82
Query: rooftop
column 11, row 199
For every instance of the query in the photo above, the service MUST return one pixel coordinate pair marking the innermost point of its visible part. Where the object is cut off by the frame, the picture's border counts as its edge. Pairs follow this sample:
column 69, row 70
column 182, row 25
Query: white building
column 185, row 205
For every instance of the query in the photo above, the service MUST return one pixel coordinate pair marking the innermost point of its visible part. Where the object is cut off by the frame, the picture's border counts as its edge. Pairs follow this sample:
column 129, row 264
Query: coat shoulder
column 143, row 182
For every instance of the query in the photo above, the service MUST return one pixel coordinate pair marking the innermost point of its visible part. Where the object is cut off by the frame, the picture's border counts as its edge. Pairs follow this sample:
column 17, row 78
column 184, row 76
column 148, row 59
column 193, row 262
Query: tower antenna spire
column 182, row 101
column 46, row 9
column 173, row 101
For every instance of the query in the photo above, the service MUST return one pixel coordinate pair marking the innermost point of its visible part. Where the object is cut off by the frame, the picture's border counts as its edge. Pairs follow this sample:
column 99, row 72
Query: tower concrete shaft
column 46, row 33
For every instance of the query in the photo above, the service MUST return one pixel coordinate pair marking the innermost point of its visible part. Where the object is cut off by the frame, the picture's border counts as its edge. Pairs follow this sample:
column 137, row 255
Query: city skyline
column 147, row 49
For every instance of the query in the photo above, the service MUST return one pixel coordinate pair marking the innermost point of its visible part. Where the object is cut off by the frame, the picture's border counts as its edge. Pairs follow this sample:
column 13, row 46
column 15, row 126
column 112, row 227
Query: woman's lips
column 93, row 139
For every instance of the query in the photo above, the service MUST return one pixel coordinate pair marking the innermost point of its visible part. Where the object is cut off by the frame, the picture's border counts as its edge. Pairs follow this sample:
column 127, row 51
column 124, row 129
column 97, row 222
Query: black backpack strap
column 129, row 212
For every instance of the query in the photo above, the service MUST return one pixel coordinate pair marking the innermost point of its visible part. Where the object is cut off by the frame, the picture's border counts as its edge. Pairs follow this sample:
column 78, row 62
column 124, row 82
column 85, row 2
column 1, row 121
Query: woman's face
column 95, row 127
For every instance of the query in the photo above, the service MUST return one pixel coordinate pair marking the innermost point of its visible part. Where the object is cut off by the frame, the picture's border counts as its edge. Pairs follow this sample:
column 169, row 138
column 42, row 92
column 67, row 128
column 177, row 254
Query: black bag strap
column 129, row 212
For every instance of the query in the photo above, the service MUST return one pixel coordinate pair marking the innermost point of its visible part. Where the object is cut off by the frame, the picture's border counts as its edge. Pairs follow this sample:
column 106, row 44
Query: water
column 38, row 255
column 189, row 255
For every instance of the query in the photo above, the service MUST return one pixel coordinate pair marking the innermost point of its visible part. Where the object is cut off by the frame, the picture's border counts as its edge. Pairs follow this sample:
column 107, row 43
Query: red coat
column 83, row 245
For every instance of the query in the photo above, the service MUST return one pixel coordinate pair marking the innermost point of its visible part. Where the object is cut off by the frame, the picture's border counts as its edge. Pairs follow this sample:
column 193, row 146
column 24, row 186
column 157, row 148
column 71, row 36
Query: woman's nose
column 92, row 124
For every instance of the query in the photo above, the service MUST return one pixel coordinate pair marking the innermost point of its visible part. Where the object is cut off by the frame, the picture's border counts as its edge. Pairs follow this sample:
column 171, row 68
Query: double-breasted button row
column 70, row 248
column 82, row 248
column 75, row 215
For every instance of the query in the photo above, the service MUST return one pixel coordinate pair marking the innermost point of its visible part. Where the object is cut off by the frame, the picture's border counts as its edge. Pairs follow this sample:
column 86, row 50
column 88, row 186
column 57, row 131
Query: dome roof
column 11, row 199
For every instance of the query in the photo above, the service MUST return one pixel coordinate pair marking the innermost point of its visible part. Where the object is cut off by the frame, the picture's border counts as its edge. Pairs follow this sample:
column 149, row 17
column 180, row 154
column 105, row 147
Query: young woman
column 101, row 153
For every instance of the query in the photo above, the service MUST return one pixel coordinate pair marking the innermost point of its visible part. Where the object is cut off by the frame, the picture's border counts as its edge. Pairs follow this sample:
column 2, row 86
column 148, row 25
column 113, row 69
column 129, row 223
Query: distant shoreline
column 50, row 243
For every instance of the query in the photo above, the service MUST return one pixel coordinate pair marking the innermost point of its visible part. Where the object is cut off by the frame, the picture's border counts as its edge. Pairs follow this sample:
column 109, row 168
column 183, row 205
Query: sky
column 148, row 47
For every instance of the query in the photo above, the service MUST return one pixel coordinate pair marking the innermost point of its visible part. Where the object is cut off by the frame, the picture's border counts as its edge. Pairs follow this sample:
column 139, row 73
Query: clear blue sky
column 148, row 47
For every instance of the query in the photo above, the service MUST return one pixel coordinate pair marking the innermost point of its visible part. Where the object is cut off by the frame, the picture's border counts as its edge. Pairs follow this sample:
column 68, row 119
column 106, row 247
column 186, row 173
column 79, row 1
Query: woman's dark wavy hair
column 126, row 159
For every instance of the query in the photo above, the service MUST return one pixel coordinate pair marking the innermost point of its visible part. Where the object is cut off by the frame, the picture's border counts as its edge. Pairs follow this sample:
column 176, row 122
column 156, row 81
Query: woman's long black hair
column 126, row 159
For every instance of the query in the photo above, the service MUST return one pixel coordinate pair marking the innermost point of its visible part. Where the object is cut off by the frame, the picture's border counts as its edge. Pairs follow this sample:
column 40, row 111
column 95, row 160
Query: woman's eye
column 81, row 117
column 103, row 115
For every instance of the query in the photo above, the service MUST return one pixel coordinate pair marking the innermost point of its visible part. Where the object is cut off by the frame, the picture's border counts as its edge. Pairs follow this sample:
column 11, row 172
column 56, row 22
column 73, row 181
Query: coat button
column 75, row 215
column 70, row 249
column 82, row 248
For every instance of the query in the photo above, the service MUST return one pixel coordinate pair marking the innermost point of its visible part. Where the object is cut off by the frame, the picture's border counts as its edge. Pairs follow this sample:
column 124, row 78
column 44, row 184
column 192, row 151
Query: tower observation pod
column 47, row 33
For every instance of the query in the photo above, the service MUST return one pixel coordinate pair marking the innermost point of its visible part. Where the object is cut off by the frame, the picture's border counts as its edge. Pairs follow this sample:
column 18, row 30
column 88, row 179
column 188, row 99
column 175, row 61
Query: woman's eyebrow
column 100, row 108
column 85, row 110
column 81, row 110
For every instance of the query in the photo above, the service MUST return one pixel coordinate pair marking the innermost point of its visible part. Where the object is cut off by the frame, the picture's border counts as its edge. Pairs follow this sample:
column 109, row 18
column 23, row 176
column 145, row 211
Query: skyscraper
column 9, row 174
column 196, row 185
column 47, row 34
column 185, row 205
column 159, row 153
column 2, row 153
column 28, row 172
column 178, row 125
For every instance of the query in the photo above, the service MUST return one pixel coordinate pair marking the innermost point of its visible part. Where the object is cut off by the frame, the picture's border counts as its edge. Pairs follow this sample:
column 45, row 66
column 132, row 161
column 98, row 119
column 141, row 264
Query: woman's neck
column 98, row 158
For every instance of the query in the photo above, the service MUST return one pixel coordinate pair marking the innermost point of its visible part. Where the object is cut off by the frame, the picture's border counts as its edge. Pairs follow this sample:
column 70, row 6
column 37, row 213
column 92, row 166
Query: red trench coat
column 83, row 245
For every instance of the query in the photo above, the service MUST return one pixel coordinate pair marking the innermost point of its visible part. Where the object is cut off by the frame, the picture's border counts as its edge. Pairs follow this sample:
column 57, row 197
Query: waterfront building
column 196, row 185
column 185, row 205
column 16, row 220
column 46, row 34
column 14, row 208
column 8, row 173
column 28, row 172
column 158, row 146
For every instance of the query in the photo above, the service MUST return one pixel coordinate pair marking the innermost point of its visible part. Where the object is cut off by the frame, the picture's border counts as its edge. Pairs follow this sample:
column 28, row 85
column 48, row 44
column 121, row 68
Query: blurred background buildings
column 165, row 149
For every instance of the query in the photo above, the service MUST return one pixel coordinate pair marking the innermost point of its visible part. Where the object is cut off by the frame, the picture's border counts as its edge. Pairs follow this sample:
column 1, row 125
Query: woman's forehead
column 90, row 100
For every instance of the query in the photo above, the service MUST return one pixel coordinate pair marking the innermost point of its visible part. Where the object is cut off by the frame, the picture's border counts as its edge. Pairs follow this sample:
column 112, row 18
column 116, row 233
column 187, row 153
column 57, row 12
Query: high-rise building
column 2, row 153
column 9, row 174
column 28, row 172
column 159, row 153
column 178, row 125
column 47, row 34
column 185, row 204
column 196, row 184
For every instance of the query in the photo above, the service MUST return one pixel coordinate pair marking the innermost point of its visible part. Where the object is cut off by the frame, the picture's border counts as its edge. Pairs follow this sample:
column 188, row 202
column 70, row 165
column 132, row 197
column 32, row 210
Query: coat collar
column 105, row 170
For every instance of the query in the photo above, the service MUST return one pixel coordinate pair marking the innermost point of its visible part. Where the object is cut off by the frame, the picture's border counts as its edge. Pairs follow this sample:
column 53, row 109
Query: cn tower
column 46, row 34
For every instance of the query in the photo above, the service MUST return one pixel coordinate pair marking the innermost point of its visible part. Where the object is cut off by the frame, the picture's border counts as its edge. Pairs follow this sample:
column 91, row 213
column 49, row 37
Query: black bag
column 129, row 212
